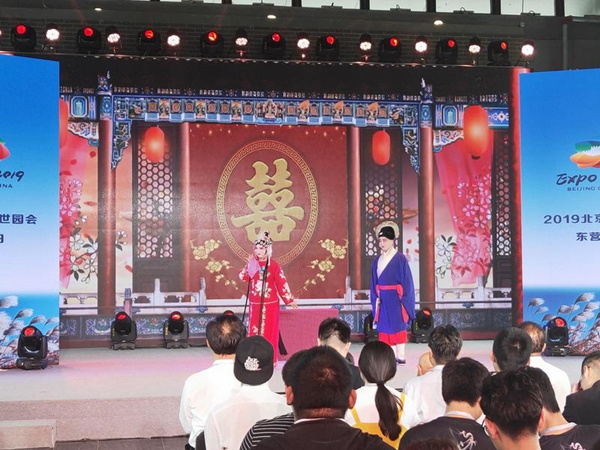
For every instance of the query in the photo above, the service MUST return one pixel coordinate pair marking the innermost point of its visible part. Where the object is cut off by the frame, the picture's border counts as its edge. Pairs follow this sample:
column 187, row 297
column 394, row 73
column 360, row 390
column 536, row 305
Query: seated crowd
column 453, row 403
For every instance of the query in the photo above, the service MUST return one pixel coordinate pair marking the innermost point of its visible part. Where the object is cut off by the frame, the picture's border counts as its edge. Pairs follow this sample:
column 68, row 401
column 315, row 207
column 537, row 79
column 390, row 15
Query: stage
column 100, row 394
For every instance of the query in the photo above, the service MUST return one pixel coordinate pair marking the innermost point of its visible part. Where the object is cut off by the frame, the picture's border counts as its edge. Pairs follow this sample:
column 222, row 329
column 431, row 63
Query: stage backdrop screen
column 560, row 144
column 29, row 192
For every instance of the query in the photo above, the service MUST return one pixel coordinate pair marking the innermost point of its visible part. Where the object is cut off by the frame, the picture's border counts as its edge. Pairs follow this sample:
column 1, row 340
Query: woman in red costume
column 267, row 284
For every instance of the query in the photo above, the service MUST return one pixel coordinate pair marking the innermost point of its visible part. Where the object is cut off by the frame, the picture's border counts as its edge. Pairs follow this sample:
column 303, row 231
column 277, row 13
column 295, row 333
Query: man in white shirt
column 559, row 379
column 445, row 344
column 207, row 388
column 228, row 423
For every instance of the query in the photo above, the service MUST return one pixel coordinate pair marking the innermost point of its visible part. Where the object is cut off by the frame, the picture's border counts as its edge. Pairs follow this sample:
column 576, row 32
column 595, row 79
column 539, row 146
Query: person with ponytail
column 380, row 409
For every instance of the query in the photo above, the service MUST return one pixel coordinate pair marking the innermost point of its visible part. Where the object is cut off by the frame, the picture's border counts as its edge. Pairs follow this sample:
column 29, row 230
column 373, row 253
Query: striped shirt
column 267, row 428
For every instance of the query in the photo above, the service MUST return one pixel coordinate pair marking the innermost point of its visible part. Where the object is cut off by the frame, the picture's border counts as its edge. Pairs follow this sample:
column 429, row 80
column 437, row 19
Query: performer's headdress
column 264, row 240
column 388, row 229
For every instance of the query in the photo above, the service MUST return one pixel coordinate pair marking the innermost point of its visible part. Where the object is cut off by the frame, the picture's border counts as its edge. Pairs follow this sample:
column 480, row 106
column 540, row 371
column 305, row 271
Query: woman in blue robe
column 392, row 293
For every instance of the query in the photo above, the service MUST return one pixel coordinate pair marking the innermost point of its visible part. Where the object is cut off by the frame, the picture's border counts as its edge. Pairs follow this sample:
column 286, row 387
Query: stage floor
column 101, row 394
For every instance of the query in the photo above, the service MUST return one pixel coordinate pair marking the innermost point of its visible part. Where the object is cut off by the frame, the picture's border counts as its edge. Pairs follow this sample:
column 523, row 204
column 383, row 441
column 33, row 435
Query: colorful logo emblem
column 587, row 154
column 4, row 153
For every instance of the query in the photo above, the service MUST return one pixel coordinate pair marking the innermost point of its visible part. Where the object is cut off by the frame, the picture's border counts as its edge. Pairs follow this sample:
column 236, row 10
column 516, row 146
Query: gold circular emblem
column 311, row 188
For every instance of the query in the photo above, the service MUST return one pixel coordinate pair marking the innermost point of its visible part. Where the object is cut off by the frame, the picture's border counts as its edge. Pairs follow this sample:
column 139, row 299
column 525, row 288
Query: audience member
column 381, row 409
column 280, row 424
column 582, row 407
column 435, row 444
column 321, row 393
column 210, row 387
column 558, row 378
column 557, row 433
column 461, row 389
column 445, row 344
column 228, row 423
column 424, row 365
column 512, row 404
column 336, row 333
column 511, row 349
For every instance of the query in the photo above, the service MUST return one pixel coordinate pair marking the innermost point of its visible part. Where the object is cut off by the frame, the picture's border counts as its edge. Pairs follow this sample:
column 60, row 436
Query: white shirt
column 558, row 378
column 202, row 392
column 426, row 392
column 228, row 423
column 367, row 411
column 384, row 260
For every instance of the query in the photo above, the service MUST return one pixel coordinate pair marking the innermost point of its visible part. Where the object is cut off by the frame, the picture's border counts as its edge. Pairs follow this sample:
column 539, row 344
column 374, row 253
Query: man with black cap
column 392, row 292
column 228, row 423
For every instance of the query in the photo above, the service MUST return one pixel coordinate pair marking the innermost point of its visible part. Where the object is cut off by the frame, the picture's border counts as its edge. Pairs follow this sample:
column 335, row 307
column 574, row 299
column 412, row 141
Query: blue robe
column 390, row 315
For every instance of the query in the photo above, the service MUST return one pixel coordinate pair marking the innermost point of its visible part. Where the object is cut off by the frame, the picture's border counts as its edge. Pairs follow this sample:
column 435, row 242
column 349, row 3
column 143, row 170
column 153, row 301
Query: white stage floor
column 106, row 394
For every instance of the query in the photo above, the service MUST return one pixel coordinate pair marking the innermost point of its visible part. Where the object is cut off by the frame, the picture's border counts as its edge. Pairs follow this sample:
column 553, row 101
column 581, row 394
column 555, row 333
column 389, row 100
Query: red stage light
column 121, row 316
column 427, row 312
column 88, row 31
column 451, row 43
column 276, row 37
column 330, row 40
column 149, row 34
column 212, row 36
column 394, row 42
column 175, row 316
column 21, row 29
column 29, row 331
column 503, row 45
column 559, row 322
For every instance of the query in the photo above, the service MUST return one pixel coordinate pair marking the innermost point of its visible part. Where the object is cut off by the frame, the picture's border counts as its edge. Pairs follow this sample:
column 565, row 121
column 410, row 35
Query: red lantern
column 476, row 130
column 63, row 122
column 381, row 148
column 154, row 140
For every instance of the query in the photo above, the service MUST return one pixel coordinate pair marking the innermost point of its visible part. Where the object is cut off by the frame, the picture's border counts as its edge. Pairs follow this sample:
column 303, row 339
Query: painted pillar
column 354, row 209
column 185, row 186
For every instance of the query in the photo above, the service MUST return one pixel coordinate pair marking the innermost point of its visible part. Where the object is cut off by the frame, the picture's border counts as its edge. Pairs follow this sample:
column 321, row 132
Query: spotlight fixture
column 32, row 349
column 241, row 42
column 123, row 332
column 273, row 46
column 176, row 331
column 113, row 38
column 446, row 51
column 557, row 337
column 23, row 38
column 88, row 40
column 211, row 44
column 148, row 42
column 52, row 36
column 173, row 39
column 498, row 53
column 390, row 50
column 474, row 49
column 527, row 52
column 365, row 44
column 421, row 48
column 328, row 48
column 303, row 45
column 422, row 326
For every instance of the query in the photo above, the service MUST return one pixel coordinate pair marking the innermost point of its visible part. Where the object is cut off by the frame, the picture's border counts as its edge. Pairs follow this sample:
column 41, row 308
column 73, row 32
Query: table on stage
column 299, row 328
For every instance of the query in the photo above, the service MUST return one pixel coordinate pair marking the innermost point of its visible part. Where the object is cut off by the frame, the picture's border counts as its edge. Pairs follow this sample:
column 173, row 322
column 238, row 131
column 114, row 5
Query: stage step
column 29, row 434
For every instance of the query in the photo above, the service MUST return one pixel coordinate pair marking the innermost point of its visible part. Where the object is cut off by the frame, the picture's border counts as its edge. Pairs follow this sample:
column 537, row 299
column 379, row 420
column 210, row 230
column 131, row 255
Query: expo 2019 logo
column 587, row 154
column 4, row 153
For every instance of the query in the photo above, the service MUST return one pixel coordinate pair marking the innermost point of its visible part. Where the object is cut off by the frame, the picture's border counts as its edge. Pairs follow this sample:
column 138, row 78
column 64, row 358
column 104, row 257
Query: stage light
column 273, row 46
column 422, row 326
column 557, row 337
column 303, row 45
column 528, row 52
column 474, row 49
column 89, row 40
column 421, row 48
column 148, row 42
column 211, row 44
column 32, row 349
column 240, row 42
column 328, row 48
column 23, row 38
column 173, row 39
column 52, row 33
column 498, row 53
column 365, row 44
column 123, row 332
column 176, row 331
column 390, row 50
column 446, row 51
column 113, row 38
